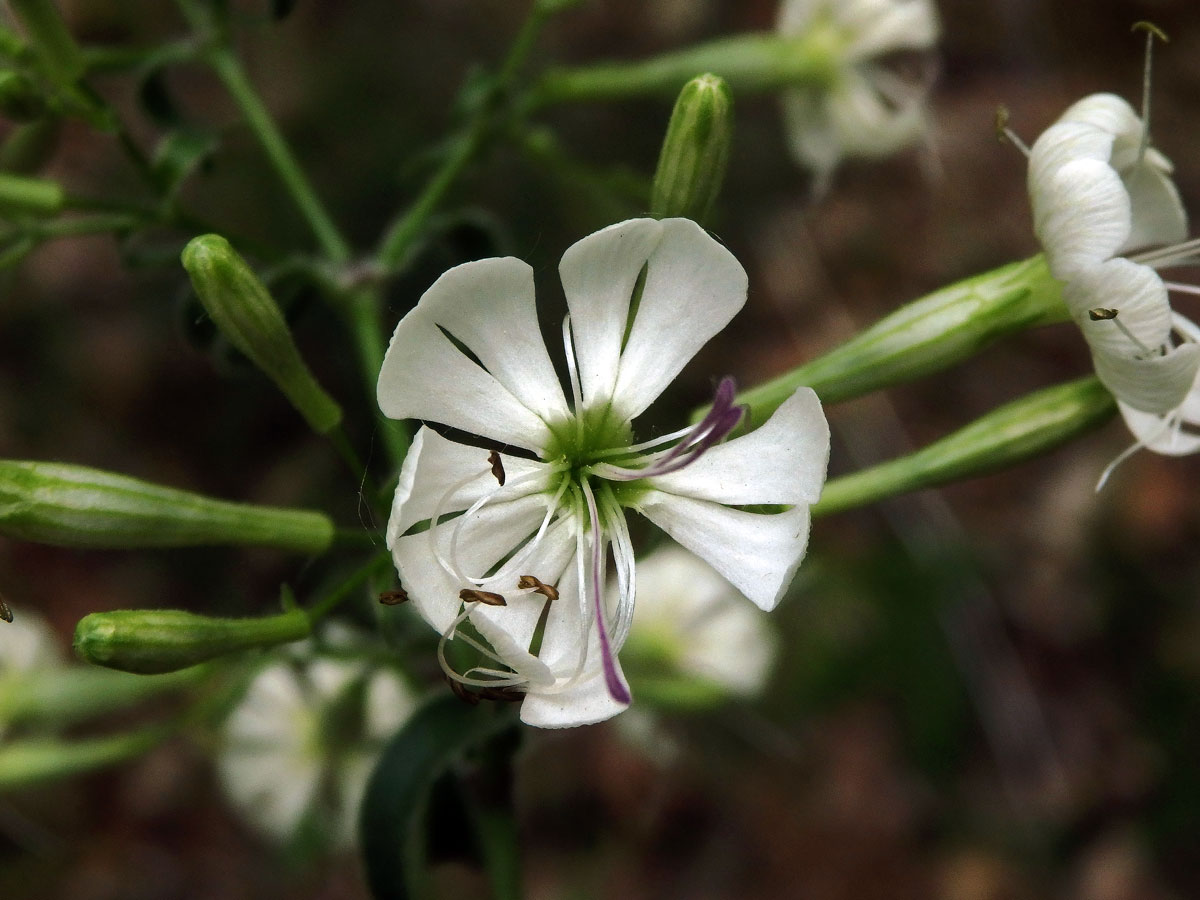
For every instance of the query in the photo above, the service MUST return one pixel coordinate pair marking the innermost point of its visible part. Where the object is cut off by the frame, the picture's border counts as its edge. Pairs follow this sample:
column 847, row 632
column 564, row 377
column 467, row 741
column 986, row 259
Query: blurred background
column 987, row 692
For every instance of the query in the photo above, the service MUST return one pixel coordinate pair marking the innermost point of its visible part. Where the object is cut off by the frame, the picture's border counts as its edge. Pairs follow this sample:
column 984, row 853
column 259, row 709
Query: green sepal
column 76, row 506
column 695, row 152
column 151, row 642
column 246, row 313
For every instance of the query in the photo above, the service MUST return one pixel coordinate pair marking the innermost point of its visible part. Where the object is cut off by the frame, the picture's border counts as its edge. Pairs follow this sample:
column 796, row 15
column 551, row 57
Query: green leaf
column 396, row 806
column 180, row 154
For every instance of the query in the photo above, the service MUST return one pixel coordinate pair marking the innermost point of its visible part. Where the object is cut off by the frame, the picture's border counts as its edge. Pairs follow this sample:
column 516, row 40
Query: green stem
column 230, row 71
column 361, row 310
column 27, row 762
column 750, row 63
column 331, row 601
column 925, row 336
column 1020, row 430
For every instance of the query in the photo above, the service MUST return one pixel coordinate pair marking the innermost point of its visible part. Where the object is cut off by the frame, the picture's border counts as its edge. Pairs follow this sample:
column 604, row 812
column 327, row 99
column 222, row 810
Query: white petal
column 488, row 306
column 897, row 25
column 783, row 461
column 1081, row 215
column 1155, row 385
column 488, row 536
column 869, row 124
column 1156, row 433
column 1158, row 215
column 757, row 553
column 434, row 465
column 810, row 134
column 598, row 276
column 694, row 286
column 795, row 15
column 1108, row 112
column 583, row 703
column 1060, row 144
column 1135, row 292
column 518, row 621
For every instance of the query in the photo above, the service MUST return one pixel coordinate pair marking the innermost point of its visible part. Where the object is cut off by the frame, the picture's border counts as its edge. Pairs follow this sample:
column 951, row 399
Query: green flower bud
column 248, row 316
column 21, row 195
column 56, row 49
column 695, row 152
column 1017, row 431
column 151, row 642
column 20, row 100
column 74, row 506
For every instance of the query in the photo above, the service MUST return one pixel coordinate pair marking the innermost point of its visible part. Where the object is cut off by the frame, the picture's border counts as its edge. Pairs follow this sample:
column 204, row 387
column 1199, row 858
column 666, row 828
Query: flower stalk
column 1017, row 431
column 925, row 336
column 152, row 642
column 75, row 506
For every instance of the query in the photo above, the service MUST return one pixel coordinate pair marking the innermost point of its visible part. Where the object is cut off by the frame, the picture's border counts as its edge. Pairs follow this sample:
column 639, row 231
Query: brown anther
column 393, row 598
column 5, row 612
column 1101, row 314
column 497, row 466
column 487, row 598
column 460, row 691
column 549, row 591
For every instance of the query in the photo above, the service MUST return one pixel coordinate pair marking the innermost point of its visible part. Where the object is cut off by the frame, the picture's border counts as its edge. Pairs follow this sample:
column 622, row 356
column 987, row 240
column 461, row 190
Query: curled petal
column 887, row 26
column 1107, row 112
column 1139, row 299
column 783, row 461
column 1082, row 216
column 1158, row 216
column 1155, row 385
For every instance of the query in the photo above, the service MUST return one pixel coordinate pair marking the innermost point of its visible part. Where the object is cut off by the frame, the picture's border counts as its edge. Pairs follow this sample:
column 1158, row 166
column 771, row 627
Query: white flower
column 282, row 759
column 27, row 644
column 868, row 111
column 1099, row 192
column 691, row 616
column 517, row 542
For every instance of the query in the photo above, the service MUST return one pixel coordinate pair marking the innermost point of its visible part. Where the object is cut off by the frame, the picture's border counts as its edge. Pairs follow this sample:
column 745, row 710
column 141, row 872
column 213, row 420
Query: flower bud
column 21, row 195
column 150, row 642
column 20, row 100
column 695, row 152
column 1017, row 431
column 75, row 506
column 248, row 316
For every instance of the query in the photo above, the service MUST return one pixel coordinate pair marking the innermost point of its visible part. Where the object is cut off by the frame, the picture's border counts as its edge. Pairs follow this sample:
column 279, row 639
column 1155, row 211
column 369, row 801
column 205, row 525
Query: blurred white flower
column 303, row 740
column 1099, row 192
column 692, row 619
column 517, row 543
column 27, row 644
column 869, row 110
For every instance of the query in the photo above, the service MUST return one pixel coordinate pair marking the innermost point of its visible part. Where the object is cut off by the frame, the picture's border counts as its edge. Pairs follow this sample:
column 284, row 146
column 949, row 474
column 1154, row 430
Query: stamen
column 1004, row 133
column 626, row 570
column 616, row 689
column 1167, row 422
column 1102, row 314
column 393, row 597
column 537, row 586
column 1192, row 289
column 722, row 418
column 497, row 467
column 5, row 612
column 496, row 677
column 487, row 598
column 1152, row 32
column 1187, row 253
column 573, row 376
